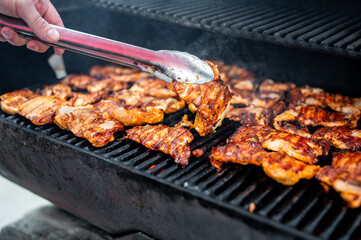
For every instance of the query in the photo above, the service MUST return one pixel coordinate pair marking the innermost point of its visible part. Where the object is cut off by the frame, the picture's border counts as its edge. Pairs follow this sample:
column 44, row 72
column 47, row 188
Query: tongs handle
column 166, row 65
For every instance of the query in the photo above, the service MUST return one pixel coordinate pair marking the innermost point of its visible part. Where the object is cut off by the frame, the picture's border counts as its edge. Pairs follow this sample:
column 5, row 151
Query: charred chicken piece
column 129, row 115
column 170, row 140
column 210, row 99
column 40, row 110
column 344, row 176
column 76, row 81
column 136, row 99
column 256, row 133
column 262, row 99
column 242, row 97
column 101, row 72
column 82, row 99
column 11, row 102
column 58, row 90
column 288, row 123
column 269, row 85
column 315, row 116
column 340, row 137
column 153, row 87
column 87, row 122
column 301, row 148
column 250, row 115
column 107, row 85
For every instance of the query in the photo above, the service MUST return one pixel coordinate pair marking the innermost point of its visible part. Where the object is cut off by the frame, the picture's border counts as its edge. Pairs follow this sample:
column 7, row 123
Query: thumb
column 37, row 23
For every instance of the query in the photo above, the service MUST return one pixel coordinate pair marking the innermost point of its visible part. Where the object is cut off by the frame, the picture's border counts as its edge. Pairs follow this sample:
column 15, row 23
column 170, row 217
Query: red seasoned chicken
column 340, row 137
column 11, row 102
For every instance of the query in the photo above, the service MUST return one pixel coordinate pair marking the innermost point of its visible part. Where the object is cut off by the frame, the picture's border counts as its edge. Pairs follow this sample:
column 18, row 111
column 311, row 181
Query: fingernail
column 52, row 35
column 34, row 48
column 7, row 35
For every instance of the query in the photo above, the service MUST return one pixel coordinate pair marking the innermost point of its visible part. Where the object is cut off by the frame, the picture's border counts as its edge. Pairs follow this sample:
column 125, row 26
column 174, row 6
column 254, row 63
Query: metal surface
column 327, row 26
column 164, row 64
column 123, row 187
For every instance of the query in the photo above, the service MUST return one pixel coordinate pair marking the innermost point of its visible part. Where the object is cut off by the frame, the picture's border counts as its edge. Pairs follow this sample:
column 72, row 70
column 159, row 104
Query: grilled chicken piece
column 153, row 87
column 318, row 97
column 87, row 122
column 242, row 97
column 256, row 133
column 269, row 85
column 340, row 137
column 301, row 148
column 40, row 110
column 58, row 90
column 356, row 102
column 101, row 72
column 344, row 175
column 76, row 81
column 262, row 99
column 107, row 85
column 82, row 99
column 11, row 102
column 129, row 115
column 250, row 115
column 315, row 116
column 170, row 140
column 185, row 122
column 210, row 99
column 288, row 123
column 136, row 99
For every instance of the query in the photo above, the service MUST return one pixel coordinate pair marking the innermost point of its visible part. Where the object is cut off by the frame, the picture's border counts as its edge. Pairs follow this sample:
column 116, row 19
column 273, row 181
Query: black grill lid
column 301, row 211
column 325, row 26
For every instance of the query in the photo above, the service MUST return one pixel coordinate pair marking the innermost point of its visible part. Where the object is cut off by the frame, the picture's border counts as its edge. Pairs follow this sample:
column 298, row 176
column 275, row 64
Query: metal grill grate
column 322, row 28
column 303, row 210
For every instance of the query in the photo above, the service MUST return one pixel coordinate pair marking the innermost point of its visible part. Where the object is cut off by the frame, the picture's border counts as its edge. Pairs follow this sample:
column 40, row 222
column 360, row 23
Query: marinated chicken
column 101, row 72
column 76, row 81
column 344, row 175
column 87, row 122
column 315, row 116
column 40, row 110
column 250, row 115
column 170, row 140
column 82, row 99
column 289, row 123
column 210, row 99
column 107, row 85
column 153, row 87
column 11, row 102
column 58, row 90
column 261, row 99
column 129, row 115
column 269, row 85
column 256, row 133
column 301, row 148
column 136, row 99
column 340, row 137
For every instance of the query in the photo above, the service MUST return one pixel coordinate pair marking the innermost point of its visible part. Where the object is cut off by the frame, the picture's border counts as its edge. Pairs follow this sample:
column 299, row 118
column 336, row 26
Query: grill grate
column 332, row 29
column 302, row 209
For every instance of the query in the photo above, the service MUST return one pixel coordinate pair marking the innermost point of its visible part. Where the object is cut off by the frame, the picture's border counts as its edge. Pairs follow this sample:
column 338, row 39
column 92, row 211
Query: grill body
column 123, row 187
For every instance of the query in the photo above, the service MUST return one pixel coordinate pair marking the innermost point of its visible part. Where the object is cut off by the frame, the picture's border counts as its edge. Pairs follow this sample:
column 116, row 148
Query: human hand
column 38, row 14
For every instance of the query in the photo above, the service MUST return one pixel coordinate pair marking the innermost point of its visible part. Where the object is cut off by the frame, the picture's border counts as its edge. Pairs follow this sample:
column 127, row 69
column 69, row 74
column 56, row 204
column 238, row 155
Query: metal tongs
column 164, row 64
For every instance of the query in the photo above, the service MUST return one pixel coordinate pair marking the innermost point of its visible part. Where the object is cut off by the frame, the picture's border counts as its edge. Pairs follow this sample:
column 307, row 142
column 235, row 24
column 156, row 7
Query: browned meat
column 315, row 116
column 250, row 115
column 211, row 101
column 289, row 123
column 318, row 97
column 344, row 176
column 153, row 87
column 242, row 97
column 301, row 148
column 89, row 123
column 129, row 115
column 185, row 122
column 169, row 105
column 107, row 85
column 340, row 137
column 76, row 81
column 101, row 72
column 269, row 85
column 262, row 99
column 170, row 140
column 58, row 90
column 83, row 99
column 256, row 133
column 11, row 102
column 40, row 110
column 198, row 153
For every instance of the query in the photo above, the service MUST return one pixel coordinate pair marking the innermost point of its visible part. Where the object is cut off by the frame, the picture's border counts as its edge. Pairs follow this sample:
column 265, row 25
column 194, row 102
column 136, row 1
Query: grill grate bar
column 316, row 222
column 355, row 224
column 331, row 228
column 349, row 39
column 340, row 35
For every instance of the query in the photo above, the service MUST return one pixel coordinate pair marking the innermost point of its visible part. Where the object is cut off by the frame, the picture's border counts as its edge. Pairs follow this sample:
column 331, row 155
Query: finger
column 51, row 15
column 59, row 51
column 12, row 37
column 37, row 23
column 1, row 37
column 37, row 46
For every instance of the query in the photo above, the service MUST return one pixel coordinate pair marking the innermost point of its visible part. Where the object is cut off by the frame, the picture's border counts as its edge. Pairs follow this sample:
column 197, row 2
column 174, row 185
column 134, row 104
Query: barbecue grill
column 124, row 188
